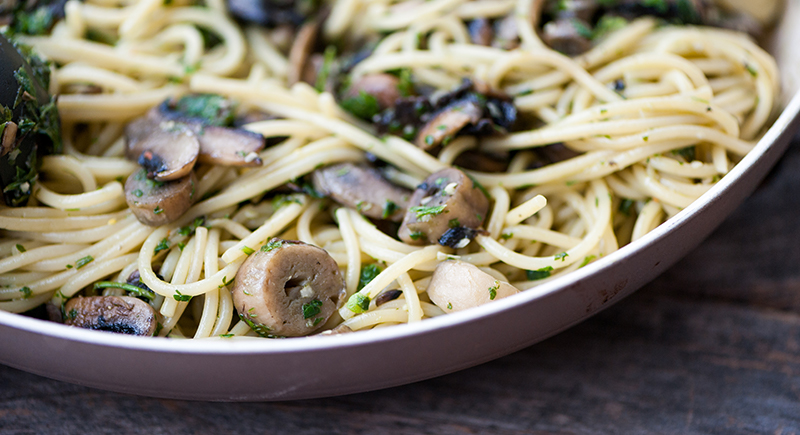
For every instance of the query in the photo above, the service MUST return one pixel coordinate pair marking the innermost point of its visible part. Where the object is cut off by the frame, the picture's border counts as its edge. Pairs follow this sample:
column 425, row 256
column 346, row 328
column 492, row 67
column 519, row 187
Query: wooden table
column 712, row 346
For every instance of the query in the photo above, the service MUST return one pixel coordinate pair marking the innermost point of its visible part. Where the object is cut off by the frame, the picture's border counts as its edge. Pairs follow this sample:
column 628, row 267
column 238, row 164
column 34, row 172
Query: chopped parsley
column 180, row 297
column 368, row 273
column 416, row 235
column 453, row 223
column 258, row 328
column 364, row 105
column 158, row 210
column 587, row 260
column 20, row 248
column 406, row 85
column 449, row 305
column 26, row 292
column 84, row 261
column 538, row 274
column 130, row 288
column 325, row 70
column 211, row 109
column 561, row 256
column 271, row 245
column 422, row 211
column 247, row 250
column 312, row 308
column 358, row 303
column 163, row 245
column 493, row 290
column 687, row 153
column 190, row 229
column 138, row 193
column 389, row 208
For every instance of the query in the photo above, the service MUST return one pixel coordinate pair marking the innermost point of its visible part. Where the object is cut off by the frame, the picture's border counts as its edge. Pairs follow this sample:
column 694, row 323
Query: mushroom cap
column 122, row 314
column 362, row 188
column 156, row 203
column 382, row 86
column 167, row 149
column 229, row 146
column 457, row 285
column 288, row 289
column 447, row 199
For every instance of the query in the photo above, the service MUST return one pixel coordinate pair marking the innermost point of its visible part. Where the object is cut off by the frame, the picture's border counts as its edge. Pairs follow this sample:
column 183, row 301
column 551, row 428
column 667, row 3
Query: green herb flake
column 180, row 297
column 327, row 66
column 750, row 69
column 212, row 109
column 416, row 235
column 493, row 290
column 312, row 308
column 20, row 248
column 26, row 292
column 368, row 273
column 138, row 193
column 226, row 335
column 405, row 86
column 84, row 261
column 73, row 313
column 163, row 245
column 358, row 303
column 190, row 229
column 587, row 260
column 158, row 210
column 625, row 206
column 453, row 223
column 506, row 236
column 247, row 250
column 561, row 256
column 130, row 288
column 364, row 105
column 422, row 211
column 538, row 274
column 389, row 208
column 272, row 245
column 449, row 305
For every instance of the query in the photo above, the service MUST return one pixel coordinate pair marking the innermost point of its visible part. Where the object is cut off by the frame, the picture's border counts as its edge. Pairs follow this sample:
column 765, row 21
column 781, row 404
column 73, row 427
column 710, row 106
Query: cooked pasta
column 646, row 121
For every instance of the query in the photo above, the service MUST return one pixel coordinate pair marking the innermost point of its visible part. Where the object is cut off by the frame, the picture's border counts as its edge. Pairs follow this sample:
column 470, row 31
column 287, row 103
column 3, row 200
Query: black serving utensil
column 29, row 123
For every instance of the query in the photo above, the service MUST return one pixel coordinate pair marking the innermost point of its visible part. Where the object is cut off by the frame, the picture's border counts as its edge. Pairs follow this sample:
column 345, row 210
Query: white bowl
column 220, row 369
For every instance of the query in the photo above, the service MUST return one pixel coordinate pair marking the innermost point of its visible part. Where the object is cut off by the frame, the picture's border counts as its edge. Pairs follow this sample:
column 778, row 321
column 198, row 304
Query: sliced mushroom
column 446, row 200
column 387, row 296
column 362, row 188
column 564, row 35
column 229, row 146
column 288, row 288
column 168, row 150
column 446, row 125
column 157, row 203
column 480, row 31
column 122, row 314
column 482, row 162
column 303, row 46
column 457, row 285
column 381, row 86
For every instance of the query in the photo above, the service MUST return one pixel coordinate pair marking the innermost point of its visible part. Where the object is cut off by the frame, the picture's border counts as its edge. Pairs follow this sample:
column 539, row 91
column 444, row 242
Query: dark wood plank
column 711, row 346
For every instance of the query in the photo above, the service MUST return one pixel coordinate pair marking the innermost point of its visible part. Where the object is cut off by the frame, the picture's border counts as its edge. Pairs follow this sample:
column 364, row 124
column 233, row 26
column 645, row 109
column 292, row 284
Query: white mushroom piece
column 288, row 289
column 157, row 203
column 362, row 188
column 457, row 285
column 121, row 314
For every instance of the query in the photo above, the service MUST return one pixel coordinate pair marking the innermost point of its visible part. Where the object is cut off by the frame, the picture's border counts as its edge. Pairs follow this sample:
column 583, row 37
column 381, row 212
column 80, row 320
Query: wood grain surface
column 711, row 346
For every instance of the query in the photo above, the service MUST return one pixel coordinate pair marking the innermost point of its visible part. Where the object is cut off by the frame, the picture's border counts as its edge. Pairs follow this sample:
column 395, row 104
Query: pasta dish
column 286, row 168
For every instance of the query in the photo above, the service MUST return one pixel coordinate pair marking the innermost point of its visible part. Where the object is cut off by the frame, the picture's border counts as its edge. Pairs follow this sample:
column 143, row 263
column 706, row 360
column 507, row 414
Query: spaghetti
column 694, row 101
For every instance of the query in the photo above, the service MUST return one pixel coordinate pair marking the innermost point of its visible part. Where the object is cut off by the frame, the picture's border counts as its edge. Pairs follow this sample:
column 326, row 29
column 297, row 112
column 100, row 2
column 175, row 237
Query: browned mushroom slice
column 167, row 149
column 229, row 146
column 458, row 285
column 448, row 200
column 565, row 35
column 122, row 314
column 158, row 203
column 381, row 86
column 481, row 162
column 480, row 31
column 302, row 48
column 288, row 289
column 445, row 125
column 362, row 188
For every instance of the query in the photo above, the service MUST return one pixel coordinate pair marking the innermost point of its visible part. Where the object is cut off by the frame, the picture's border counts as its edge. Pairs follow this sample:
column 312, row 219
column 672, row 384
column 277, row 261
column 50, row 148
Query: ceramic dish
column 220, row 369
